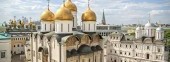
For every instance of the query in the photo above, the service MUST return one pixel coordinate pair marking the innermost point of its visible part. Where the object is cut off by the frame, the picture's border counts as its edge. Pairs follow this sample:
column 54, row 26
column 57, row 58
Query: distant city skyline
column 116, row 11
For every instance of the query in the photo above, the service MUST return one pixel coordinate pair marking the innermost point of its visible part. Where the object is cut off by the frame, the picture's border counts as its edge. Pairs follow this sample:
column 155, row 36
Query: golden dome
column 47, row 15
column 88, row 15
column 70, row 5
column 63, row 14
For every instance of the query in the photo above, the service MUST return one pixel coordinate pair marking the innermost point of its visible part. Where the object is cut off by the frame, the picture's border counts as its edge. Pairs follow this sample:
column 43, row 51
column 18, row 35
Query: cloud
column 116, row 11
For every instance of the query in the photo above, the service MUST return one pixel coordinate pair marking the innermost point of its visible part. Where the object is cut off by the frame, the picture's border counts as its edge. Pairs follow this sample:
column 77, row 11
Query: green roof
column 4, row 36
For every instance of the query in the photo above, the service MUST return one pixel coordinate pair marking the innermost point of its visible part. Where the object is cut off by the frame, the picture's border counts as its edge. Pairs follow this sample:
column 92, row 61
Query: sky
column 116, row 11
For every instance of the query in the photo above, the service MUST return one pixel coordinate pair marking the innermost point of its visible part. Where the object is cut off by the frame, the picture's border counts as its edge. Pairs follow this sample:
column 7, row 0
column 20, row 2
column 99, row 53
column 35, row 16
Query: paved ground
column 16, row 58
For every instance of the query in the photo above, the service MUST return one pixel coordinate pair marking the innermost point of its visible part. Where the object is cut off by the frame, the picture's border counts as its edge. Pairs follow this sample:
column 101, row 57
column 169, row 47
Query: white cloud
column 115, row 10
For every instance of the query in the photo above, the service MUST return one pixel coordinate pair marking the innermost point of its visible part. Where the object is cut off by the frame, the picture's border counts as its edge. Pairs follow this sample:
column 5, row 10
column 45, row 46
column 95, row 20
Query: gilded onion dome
column 47, row 15
column 88, row 15
column 70, row 5
column 63, row 14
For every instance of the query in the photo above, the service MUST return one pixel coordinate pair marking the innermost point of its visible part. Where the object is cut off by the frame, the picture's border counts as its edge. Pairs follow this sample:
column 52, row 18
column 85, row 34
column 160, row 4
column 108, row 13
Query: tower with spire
column 103, row 18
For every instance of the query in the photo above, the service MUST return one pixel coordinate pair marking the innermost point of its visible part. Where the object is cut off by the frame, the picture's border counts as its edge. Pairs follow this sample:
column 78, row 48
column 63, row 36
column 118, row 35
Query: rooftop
column 4, row 36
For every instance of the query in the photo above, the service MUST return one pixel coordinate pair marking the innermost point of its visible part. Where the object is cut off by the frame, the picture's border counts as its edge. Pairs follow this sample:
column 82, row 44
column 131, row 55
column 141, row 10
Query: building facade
column 148, row 45
column 19, row 31
column 5, row 47
column 59, row 40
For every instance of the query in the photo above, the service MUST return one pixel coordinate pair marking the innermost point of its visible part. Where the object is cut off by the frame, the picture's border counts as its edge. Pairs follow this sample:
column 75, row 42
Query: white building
column 60, row 41
column 148, row 45
column 5, row 47
column 106, row 29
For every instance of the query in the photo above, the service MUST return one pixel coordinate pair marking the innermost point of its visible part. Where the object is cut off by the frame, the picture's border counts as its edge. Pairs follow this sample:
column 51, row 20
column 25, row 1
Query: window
column 14, row 45
column 84, row 26
column 21, row 45
column 18, row 45
column 61, row 27
column 120, row 52
column 156, row 57
column 115, row 61
column 148, row 47
column 136, row 46
column 115, row 51
column 147, row 56
column 50, row 27
column 126, row 46
column 89, row 26
column 94, row 27
column 68, row 27
column 45, row 27
column 159, row 50
column 89, row 60
column 130, row 46
column 129, row 53
column 2, row 54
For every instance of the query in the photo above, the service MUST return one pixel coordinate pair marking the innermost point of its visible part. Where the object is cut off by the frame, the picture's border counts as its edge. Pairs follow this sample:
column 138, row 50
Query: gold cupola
column 63, row 14
column 47, row 15
column 71, row 6
column 88, row 15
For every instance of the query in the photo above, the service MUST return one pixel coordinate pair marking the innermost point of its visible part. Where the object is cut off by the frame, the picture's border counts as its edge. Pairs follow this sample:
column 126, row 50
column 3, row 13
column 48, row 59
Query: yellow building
column 17, row 44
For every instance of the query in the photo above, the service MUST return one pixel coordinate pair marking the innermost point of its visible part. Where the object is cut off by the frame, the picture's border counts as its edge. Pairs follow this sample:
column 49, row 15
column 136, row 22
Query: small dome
column 159, row 29
column 88, row 15
column 149, row 24
column 83, row 49
column 70, row 5
column 47, row 15
column 138, row 28
column 63, row 14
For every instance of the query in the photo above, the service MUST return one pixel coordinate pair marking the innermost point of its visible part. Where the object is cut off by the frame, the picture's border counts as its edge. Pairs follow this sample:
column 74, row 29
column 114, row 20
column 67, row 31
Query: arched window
column 68, row 27
column 84, row 27
column 50, row 27
column 18, row 45
column 45, row 27
column 94, row 26
column 89, row 26
column 147, row 56
column 148, row 47
column 159, row 50
column 61, row 27
column 115, row 60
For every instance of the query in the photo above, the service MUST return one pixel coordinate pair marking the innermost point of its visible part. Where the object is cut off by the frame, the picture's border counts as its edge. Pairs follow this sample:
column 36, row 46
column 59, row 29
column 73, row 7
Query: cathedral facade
column 148, row 45
column 59, row 39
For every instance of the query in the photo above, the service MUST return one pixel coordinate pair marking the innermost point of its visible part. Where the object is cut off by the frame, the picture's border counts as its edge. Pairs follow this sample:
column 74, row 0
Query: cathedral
column 148, row 45
column 59, row 40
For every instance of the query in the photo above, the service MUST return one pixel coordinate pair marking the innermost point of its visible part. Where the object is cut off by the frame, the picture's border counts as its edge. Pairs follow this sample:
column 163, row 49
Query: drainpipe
column 60, row 50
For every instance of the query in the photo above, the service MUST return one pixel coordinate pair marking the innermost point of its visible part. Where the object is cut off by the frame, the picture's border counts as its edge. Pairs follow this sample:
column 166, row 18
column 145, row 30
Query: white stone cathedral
column 59, row 39
column 148, row 45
